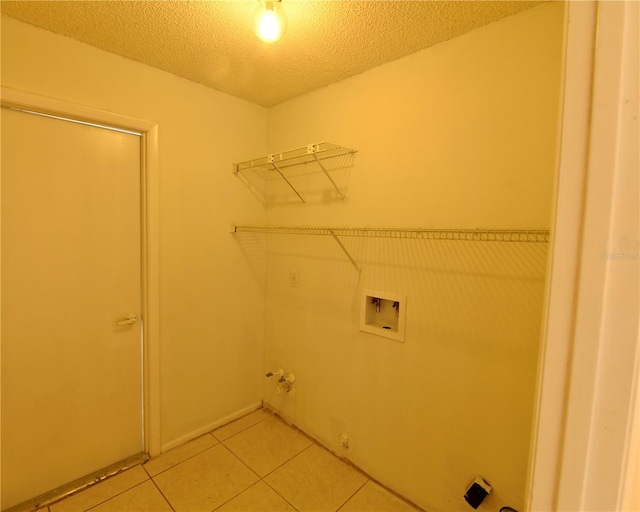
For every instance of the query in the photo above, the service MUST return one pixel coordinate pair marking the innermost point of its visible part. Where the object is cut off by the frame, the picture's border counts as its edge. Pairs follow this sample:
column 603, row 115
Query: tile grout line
column 236, row 495
column 247, row 466
column 311, row 441
column 115, row 495
column 56, row 498
column 182, row 461
column 271, row 415
column 260, row 479
column 162, row 494
column 160, row 490
column 149, row 477
column 243, row 462
column 352, row 495
column 211, row 433
column 218, row 442
column 276, row 491
column 288, row 460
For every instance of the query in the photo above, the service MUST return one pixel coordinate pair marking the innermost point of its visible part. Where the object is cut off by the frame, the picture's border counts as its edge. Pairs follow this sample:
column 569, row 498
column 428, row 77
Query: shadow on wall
column 253, row 247
column 491, row 290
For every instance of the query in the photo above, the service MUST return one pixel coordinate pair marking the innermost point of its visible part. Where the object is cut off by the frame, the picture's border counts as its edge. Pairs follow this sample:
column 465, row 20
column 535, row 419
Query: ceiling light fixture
column 269, row 20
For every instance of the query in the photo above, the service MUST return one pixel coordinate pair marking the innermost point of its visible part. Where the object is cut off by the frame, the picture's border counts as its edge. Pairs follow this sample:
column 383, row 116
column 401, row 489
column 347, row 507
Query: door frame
column 150, row 285
column 587, row 404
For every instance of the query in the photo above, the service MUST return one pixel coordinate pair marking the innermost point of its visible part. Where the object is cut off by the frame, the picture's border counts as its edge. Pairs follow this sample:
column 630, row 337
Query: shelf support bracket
column 288, row 182
column 328, row 176
column 344, row 249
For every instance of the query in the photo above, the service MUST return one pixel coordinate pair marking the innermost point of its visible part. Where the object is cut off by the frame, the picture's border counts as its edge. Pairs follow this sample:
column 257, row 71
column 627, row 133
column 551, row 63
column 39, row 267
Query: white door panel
column 71, row 377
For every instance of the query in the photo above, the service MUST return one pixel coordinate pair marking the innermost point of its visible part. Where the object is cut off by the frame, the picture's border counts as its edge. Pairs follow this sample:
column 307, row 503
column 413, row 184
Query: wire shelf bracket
column 310, row 154
column 344, row 249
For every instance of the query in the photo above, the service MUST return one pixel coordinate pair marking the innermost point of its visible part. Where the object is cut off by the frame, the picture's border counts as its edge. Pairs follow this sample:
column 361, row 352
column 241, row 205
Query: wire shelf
column 471, row 235
column 315, row 153
column 292, row 157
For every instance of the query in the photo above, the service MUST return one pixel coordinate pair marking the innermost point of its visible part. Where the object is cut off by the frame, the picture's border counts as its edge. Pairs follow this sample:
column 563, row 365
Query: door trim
column 583, row 446
column 149, row 235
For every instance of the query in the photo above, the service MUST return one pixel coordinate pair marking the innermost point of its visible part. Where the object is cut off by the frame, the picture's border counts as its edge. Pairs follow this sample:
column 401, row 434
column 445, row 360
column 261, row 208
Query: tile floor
column 254, row 464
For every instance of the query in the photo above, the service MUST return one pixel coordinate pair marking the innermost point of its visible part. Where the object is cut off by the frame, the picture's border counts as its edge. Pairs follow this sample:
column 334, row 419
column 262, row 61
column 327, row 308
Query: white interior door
column 71, row 270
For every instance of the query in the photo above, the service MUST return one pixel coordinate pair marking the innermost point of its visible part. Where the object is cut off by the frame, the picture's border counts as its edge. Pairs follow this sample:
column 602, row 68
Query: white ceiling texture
column 212, row 43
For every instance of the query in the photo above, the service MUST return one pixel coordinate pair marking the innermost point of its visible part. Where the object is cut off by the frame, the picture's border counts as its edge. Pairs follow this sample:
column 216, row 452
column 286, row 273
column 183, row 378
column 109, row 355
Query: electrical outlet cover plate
column 388, row 322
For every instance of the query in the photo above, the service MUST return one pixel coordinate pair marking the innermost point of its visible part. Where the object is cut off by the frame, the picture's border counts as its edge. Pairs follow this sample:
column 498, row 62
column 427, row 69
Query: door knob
column 129, row 320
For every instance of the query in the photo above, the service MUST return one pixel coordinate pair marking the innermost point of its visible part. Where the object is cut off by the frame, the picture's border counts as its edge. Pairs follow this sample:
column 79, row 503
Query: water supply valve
column 279, row 373
column 285, row 387
column 285, row 384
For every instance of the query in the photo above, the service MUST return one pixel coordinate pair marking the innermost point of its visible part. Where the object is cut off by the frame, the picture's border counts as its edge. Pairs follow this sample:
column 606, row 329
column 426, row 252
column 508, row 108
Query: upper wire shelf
column 309, row 154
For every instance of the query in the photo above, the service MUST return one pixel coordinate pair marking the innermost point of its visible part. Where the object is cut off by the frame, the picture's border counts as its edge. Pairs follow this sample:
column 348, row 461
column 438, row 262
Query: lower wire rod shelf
column 472, row 235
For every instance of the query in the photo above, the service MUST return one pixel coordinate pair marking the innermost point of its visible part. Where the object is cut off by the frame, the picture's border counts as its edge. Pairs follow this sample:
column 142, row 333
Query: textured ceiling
column 211, row 42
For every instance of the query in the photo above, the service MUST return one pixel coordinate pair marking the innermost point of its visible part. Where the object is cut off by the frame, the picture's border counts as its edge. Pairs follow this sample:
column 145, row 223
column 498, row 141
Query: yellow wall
column 206, row 293
column 461, row 135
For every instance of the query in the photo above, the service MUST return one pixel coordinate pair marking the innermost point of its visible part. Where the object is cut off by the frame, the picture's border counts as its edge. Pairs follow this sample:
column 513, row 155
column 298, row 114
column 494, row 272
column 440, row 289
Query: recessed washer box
column 383, row 314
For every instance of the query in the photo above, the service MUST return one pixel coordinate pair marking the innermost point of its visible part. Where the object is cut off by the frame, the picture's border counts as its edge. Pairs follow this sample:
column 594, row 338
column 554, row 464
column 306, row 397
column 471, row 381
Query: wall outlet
column 294, row 278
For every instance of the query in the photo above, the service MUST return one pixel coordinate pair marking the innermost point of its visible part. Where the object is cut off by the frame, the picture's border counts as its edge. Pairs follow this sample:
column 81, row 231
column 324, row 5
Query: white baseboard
column 208, row 428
